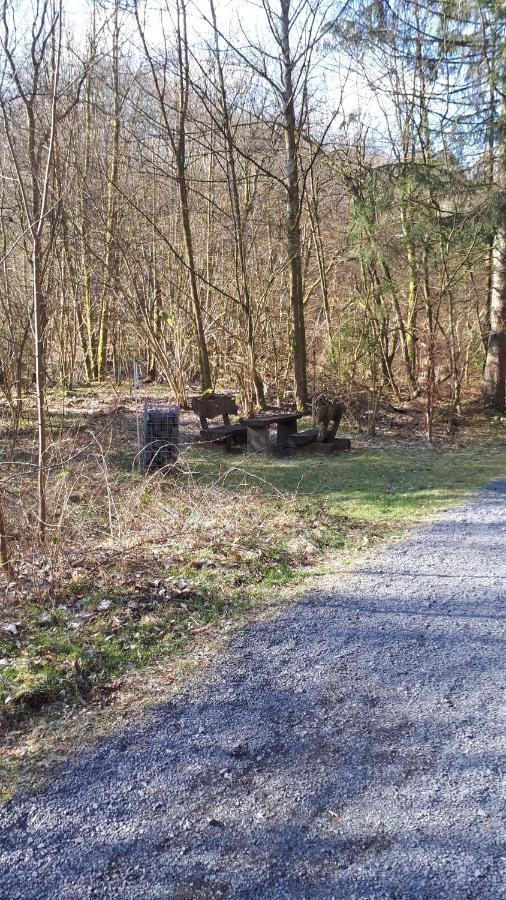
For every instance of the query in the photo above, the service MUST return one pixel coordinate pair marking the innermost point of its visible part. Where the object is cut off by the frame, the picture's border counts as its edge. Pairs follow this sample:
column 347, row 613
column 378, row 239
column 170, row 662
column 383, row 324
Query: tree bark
column 255, row 383
column 40, row 383
column 5, row 560
column 494, row 375
column 177, row 141
column 111, row 255
column 293, row 214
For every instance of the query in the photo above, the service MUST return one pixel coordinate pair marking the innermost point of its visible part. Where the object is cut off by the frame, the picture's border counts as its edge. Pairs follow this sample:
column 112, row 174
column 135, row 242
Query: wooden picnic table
column 257, row 430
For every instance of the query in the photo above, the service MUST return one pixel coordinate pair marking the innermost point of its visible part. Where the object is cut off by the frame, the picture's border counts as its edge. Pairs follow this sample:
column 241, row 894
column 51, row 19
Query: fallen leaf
column 10, row 631
column 104, row 604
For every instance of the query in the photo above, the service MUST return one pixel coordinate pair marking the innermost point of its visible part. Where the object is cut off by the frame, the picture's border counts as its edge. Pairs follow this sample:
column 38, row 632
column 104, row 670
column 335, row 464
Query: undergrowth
column 140, row 568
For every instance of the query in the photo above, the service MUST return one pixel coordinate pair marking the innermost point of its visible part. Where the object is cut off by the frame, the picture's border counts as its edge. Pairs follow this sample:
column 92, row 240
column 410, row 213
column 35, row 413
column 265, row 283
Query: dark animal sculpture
column 327, row 415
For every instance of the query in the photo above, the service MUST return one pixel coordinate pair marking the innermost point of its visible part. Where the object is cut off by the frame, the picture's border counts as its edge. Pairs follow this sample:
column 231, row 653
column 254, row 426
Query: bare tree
column 166, row 80
column 29, row 84
column 494, row 375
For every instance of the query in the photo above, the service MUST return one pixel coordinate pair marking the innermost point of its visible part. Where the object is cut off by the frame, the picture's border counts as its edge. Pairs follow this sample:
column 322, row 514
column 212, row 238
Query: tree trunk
column 293, row 215
column 205, row 368
column 179, row 147
column 111, row 253
column 494, row 375
column 5, row 561
column 255, row 384
column 40, row 384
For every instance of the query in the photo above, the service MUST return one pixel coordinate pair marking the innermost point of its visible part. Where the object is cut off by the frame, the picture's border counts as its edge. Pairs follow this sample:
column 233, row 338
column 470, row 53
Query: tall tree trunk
column 205, row 368
column 293, row 214
column 87, row 329
column 314, row 217
column 111, row 252
column 179, row 145
column 255, row 383
column 40, row 382
column 431, row 360
column 408, row 327
column 491, row 58
column 494, row 375
column 176, row 137
column 5, row 559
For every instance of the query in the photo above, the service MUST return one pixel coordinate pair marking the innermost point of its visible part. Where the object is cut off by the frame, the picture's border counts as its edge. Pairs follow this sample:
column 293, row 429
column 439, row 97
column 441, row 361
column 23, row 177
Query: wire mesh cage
column 161, row 435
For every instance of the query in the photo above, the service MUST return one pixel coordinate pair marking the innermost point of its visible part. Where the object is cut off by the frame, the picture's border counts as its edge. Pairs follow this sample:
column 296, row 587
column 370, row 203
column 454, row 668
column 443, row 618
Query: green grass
column 59, row 662
column 332, row 504
column 338, row 503
column 390, row 485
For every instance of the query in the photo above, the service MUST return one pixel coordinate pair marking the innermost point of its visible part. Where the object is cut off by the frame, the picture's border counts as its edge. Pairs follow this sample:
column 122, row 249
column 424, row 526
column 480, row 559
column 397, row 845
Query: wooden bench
column 210, row 406
column 302, row 438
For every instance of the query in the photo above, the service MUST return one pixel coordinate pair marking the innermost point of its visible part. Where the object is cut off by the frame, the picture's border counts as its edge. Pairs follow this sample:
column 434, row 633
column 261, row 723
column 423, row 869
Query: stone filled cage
column 161, row 435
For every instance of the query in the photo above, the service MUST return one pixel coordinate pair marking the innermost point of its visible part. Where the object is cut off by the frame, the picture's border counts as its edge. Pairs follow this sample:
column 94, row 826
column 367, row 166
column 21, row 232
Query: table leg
column 285, row 429
column 258, row 439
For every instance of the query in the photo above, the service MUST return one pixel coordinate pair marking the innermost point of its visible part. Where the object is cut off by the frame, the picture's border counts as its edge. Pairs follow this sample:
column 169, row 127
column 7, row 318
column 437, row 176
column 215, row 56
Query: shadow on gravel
column 348, row 749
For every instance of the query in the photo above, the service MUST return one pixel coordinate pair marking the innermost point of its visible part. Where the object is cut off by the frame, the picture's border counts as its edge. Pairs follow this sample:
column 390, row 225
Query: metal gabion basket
column 161, row 435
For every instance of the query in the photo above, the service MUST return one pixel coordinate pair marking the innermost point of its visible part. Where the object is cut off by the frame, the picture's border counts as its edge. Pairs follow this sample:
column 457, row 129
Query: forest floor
column 350, row 747
column 145, row 579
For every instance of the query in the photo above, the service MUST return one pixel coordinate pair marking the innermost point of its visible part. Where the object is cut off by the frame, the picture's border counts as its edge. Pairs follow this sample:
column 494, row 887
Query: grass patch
column 154, row 565
column 381, row 485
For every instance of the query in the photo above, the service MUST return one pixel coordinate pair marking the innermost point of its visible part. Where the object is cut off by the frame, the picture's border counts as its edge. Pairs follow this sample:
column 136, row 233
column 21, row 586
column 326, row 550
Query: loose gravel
column 350, row 748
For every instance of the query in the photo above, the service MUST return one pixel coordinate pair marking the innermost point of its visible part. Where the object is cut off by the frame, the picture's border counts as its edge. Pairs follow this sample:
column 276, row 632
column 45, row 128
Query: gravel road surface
column 350, row 748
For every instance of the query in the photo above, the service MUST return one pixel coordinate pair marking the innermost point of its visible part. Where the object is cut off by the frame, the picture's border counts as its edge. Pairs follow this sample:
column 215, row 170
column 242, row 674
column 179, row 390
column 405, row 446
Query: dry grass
column 143, row 577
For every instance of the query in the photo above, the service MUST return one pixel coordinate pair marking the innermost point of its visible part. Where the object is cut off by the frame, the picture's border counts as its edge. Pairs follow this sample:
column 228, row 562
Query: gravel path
column 351, row 748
